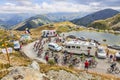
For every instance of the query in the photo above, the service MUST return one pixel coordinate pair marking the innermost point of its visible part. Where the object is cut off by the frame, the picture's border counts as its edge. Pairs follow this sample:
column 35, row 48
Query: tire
column 117, row 70
column 94, row 65
column 110, row 70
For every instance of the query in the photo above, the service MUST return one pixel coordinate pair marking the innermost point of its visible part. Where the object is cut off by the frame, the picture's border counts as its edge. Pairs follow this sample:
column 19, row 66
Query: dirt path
column 101, row 67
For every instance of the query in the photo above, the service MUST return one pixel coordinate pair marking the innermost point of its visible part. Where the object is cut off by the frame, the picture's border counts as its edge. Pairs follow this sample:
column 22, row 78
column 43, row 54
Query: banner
column 8, row 49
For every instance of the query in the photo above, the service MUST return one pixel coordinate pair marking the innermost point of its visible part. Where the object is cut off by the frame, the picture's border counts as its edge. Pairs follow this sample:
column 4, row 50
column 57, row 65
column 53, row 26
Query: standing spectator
column 86, row 65
column 114, row 58
column 65, row 59
column 111, row 58
column 88, row 53
column 47, row 57
column 56, row 58
column 107, row 53
column 52, row 53
column 71, row 54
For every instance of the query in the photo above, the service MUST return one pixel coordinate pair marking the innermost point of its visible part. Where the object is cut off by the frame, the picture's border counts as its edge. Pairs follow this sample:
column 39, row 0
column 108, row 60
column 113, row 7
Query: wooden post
column 7, row 54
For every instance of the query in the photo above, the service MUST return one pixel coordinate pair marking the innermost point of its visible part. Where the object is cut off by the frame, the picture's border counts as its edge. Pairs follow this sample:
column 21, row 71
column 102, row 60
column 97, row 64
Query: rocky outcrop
column 35, row 65
column 64, row 75
column 23, row 73
column 61, row 75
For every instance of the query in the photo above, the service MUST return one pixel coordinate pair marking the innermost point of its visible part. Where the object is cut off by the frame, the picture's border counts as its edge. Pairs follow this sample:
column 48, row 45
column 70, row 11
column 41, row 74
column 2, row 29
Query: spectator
column 88, row 53
column 107, row 53
column 111, row 58
column 56, row 58
column 114, row 58
column 46, row 58
column 86, row 65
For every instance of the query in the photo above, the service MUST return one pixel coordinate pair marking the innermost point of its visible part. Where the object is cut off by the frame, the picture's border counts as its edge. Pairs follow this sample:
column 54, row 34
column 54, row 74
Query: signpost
column 8, row 57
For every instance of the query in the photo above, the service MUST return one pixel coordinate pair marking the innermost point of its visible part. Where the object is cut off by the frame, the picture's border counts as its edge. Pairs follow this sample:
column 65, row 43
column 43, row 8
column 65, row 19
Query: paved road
column 101, row 67
column 30, row 52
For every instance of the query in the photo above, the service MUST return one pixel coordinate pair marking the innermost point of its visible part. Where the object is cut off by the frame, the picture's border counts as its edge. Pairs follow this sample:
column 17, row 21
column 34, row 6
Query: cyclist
column 113, row 65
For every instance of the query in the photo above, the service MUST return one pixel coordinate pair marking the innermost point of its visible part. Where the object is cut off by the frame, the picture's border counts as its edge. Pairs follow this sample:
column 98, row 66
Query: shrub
column 70, row 66
column 51, row 62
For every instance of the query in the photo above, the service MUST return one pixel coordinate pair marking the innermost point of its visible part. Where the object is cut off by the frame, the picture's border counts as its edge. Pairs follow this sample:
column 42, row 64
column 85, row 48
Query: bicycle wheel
column 117, row 70
column 94, row 65
column 110, row 70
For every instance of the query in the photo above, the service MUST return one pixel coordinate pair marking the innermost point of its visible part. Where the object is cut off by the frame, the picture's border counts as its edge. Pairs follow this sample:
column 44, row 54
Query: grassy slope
column 109, row 23
column 59, row 27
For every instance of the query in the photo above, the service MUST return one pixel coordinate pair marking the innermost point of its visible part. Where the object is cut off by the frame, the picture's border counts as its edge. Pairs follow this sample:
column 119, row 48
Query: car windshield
column 101, row 51
column 56, row 46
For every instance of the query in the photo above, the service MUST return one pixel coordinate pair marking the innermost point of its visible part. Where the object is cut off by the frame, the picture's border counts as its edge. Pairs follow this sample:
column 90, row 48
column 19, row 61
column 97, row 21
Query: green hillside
column 99, row 15
column 59, row 27
column 32, row 22
column 110, row 23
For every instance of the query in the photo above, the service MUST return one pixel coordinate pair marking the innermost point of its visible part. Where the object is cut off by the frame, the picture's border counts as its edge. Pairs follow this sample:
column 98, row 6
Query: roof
column 53, row 44
column 73, row 42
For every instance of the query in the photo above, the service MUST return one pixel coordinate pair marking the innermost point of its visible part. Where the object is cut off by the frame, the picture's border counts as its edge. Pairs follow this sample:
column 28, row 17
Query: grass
column 45, row 68
column 16, row 59
column 3, row 73
column 59, row 27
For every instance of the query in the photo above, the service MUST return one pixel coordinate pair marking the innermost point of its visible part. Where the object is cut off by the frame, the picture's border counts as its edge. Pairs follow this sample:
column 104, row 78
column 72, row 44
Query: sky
column 51, row 6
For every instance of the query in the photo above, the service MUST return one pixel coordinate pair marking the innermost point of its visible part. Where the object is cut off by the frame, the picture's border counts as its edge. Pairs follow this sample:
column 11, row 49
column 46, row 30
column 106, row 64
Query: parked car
column 83, row 38
column 101, row 53
column 54, row 47
column 117, row 47
column 117, row 55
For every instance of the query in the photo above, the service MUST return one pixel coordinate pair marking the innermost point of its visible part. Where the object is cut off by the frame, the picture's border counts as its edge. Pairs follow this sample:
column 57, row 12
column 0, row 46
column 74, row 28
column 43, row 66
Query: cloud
column 95, row 4
column 45, row 6
column 9, row 4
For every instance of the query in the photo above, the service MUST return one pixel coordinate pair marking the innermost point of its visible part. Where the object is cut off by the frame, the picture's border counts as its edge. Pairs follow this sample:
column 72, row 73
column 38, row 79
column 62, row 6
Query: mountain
column 2, row 24
column 9, row 19
column 64, row 16
column 32, row 22
column 40, row 20
column 102, row 14
column 110, row 23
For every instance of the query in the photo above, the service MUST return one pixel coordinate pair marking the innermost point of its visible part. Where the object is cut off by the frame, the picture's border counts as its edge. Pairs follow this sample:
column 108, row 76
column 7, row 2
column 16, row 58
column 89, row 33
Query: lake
column 99, row 36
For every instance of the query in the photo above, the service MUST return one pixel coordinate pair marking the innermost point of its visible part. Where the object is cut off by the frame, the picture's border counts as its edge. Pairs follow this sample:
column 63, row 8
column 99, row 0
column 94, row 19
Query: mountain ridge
column 102, row 14
column 109, row 23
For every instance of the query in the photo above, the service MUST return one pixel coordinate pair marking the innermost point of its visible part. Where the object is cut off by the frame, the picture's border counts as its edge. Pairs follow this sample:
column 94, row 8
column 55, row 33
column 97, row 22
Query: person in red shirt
column 86, row 65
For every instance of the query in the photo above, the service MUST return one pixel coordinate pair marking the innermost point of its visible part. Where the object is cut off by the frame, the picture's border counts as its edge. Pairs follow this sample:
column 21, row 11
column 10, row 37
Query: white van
column 49, row 33
column 16, row 45
column 80, row 47
column 54, row 46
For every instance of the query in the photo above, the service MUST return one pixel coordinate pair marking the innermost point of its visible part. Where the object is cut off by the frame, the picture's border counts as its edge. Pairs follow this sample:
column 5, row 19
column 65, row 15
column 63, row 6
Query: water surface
column 99, row 36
